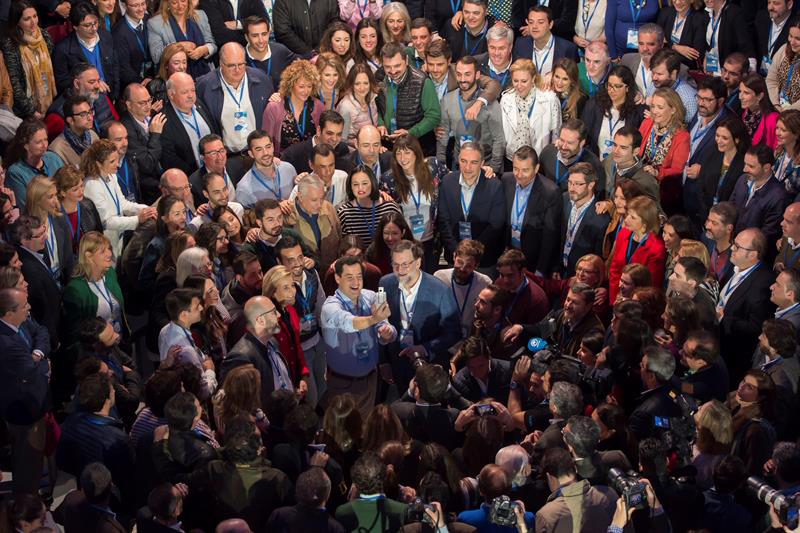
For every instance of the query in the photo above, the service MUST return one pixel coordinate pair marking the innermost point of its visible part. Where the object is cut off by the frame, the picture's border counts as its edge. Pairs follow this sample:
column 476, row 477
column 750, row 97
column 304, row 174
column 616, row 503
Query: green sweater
column 80, row 303
column 430, row 110
column 363, row 515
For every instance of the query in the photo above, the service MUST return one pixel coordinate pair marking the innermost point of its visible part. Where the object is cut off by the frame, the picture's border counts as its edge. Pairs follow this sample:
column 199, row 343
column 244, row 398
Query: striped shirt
column 361, row 221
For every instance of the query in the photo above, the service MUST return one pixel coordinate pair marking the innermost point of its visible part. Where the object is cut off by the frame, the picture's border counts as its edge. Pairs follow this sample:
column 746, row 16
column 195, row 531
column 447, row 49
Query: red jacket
column 289, row 345
column 652, row 254
column 670, row 172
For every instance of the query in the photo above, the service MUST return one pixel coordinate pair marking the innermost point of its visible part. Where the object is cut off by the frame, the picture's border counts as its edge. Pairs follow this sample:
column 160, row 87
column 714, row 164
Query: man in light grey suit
column 651, row 40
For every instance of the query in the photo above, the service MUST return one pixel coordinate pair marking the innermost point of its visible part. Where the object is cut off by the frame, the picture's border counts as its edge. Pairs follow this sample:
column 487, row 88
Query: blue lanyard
column 635, row 14
column 719, row 185
column 612, row 126
column 195, row 126
column 304, row 300
column 355, row 311
column 106, row 296
column 75, row 232
column 477, row 42
column 409, row 313
column 676, row 28
column 714, row 25
column 124, row 171
column 655, row 142
column 466, row 294
column 370, row 225
column 795, row 255
column 544, row 61
column 644, row 80
column 629, row 251
column 418, row 200
column 362, row 9
column 142, row 48
column 51, row 239
column 333, row 98
column 241, row 94
column 461, row 109
column 531, row 108
column 701, row 132
column 731, row 287
column 114, row 197
column 560, row 176
column 572, row 228
column 393, row 86
column 455, row 6
column 252, row 63
column 301, row 126
column 783, row 313
column 588, row 20
column 277, row 180
column 464, row 205
column 500, row 78
column 519, row 212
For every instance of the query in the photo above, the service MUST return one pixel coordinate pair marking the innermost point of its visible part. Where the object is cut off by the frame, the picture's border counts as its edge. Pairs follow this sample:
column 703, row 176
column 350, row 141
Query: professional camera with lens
column 595, row 382
column 678, row 433
column 785, row 506
column 502, row 512
column 629, row 487
column 416, row 512
column 417, row 360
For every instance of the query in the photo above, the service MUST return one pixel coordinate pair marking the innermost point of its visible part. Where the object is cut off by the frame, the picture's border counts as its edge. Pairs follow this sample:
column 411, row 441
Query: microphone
column 537, row 344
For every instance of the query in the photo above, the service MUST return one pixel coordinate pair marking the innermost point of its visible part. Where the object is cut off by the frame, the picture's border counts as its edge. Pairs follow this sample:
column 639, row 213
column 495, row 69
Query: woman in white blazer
column 531, row 116
column 99, row 165
column 178, row 21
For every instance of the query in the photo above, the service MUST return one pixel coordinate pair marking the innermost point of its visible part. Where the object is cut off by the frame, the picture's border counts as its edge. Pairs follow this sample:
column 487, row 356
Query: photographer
column 785, row 467
column 572, row 502
column 493, row 483
column 707, row 377
column 434, row 495
column 656, row 370
column 483, row 376
column 656, row 520
column 581, row 435
column 566, row 400
column 528, row 405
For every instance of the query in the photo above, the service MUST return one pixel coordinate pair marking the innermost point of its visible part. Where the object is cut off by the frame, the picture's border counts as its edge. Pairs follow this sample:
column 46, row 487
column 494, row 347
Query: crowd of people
column 363, row 266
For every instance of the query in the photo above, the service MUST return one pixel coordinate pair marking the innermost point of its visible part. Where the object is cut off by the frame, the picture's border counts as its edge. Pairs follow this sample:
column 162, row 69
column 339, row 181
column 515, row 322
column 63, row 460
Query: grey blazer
column 160, row 34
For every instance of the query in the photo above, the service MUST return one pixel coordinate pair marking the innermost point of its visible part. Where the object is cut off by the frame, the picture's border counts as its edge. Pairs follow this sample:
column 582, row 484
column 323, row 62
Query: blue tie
column 23, row 336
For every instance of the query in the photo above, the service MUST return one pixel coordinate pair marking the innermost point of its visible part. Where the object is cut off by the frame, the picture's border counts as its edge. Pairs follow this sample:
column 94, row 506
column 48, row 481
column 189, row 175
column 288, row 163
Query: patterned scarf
column 663, row 144
column 793, row 89
column 38, row 70
column 751, row 122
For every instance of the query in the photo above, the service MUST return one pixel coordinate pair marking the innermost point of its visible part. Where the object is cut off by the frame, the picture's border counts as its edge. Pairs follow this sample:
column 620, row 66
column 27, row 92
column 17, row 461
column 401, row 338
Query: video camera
column 502, row 512
column 628, row 485
column 785, row 506
column 596, row 381
column 679, row 432
column 416, row 512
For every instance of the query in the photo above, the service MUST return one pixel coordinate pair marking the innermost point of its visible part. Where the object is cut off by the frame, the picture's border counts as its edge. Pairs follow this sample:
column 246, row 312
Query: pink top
column 350, row 11
column 765, row 133
column 273, row 117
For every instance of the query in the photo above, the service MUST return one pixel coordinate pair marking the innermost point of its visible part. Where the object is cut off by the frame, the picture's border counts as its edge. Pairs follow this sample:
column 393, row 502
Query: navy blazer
column 474, row 46
column 176, row 148
column 764, row 211
column 436, row 323
column 352, row 159
column 698, row 193
column 44, row 294
column 734, row 33
column 588, row 238
column 210, row 91
column 523, row 49
column 280, row 58
column 498, row 381
column 707, row 143
column 540, row 223
column 68, row 53
column 487, row 216
column 24, row 383
column 130, row 54
column 221, row 11
column 693, row 33
column 762, row 26
column 65, row 256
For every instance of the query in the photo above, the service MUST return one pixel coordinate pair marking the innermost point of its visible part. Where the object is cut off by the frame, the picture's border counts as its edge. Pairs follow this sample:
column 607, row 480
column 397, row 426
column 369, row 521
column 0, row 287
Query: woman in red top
column 665, row 145
column 278, row 286
column 638, row 242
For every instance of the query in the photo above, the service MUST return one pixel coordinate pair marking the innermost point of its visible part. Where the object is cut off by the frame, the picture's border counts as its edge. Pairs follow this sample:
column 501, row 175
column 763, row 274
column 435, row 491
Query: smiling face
column 561, row 83
column 539, row 25
column 661, row 112
column 466, row 75
column 361, row 186
column 175, row 218
column 361, row 86
column 177, row 63
column 396, row 26
column 420, row 39
column 392, row 234
column 302, row 89
column 569, row 143
column 368, row 39
column 499, row 52
column 724, row 139
column 262, row 151
column 522, row 82
column 102, row 258
column 351, row 281
column 258, row 37
column 285, row 291
column 329, row 77
column 395, row 67
column 231, row 223
column 340, row 42
column 748, row 97
column 474, row 16
column 794, row 39
column 783, row 135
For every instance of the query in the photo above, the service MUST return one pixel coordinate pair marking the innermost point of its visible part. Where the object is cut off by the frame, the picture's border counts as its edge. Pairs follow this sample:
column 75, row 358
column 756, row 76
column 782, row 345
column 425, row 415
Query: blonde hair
column 91, row 243
column 692, row 248
column 526, row 65
column 66, row 178
column 674, row 101
column 298, row 69
column 165, row 13
column 714, row 428
column 647, row 210
column 269, row 284
column 390, row 9
column 330, row 59
column 35, row 192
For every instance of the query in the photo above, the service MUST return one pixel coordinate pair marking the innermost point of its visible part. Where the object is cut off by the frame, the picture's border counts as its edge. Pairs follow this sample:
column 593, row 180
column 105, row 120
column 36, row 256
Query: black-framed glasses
column 736, row 246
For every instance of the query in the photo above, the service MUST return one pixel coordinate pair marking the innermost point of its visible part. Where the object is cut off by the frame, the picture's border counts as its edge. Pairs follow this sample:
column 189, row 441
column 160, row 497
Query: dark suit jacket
column 298, row 155
column 210, row 91
column 483, row 62
column 730, row 37
column 299, row 518
column 24, row 383
column 564, row 14
column 65, row 256
column 78, row 516
column 593, row 117
column 236, row 168
column 69, row 53
column 762, row 26
column 707, row 144
column 487, row 215
column 434, row 423
column 436, row 323
column 764, row 211
column 709, row 383
column 693, row 34
column 44, row 295
column 176, row 148
column 250, row 350
column 540, row 224
column 145, row 149
column 129, row 55
column 523, row 49
column 746, row 309
column 652, row 403
column 594, row 468
column 352, row 159
column 280, row 58
column 474, row 45
column 497, row 386
column 221, row 11
column 588, row 238
column 698, row 194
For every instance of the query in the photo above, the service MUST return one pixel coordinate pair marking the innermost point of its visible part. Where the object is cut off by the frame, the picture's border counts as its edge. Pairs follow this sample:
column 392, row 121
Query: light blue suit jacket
column 159, row 34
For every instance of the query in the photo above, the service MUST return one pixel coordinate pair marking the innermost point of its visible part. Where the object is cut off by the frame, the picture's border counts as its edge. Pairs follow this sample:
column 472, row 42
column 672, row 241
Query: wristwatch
column 513, row 385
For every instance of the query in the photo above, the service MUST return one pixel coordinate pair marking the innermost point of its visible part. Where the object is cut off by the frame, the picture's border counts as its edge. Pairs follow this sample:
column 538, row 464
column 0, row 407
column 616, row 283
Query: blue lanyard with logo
column 635, row 14
column 714, row 25
column 277, row 181
column 573, row 227
column 785, row 92
column 301, row 126
column 532, row 107
column 418, row 200
column 630, row 251
column 393, row 87
column 466, row 294
column 75, row 231
column 701, row 132
column 409, row 313
column 464, row 206
column 236, row 101
column 719, row 185
column 354, row 311
column 547, row 55
column 519, row 211
column 142, row 48
column 676, row 28
column 371, row 224
column 654, row 142
column 333, row 98
column 478, row 40
column 113, row 196
column 613, row 126
column 732, row 287
column 461, row 109
column 195, row 126
column 106, row 294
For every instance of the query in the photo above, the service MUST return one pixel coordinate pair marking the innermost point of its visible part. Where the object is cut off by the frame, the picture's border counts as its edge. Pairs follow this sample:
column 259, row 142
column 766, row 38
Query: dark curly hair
column 604, row 100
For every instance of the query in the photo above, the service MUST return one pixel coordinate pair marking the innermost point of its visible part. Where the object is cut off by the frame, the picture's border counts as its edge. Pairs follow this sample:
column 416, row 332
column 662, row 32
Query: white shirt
column 174, row 334
column 117, row 213
column 467, row 193
column 137, row 26
column 591, row 19
column 776, row 28
column 51, row 245
column 236, row 207
column 711, row 31
column 188, row 123
column 608, row 127
column 733, row 283
column 409, row 296
column 337, row 191
column 543, row 59
column 644, row 79
column 108, row 307
column 235, row 102
column 409, row 208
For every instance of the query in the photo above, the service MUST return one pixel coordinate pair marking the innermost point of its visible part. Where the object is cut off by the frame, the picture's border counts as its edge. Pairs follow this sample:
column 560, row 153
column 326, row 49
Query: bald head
column 493, row 482
column 233, row 525
column 750, row 247
column 175, row 183
column 232, row 63
column 368, row 143
column 791, row 222
column 180, row 91
column 261, row 315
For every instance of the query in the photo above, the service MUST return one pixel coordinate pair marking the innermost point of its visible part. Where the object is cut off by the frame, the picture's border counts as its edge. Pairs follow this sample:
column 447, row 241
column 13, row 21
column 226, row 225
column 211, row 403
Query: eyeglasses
column 616, row 87
column 214, row 153
column 576, row 183
column 89, row 25
column 265, row 313
column 179, row 189
column 149, row 101
column 223, row 238
column 233, row 65
column 403, row 266
column 84, row 114
column 736, row 246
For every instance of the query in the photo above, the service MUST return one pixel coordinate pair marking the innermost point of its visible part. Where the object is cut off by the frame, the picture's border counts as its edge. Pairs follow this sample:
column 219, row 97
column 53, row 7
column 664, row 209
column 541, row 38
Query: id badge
column 465, row 139
column 516, row 236
column 362, row 351
column 406, row 337
column 464, row 230
column 308, row 323
column 392, row 124
column 606, row 149
column 417, row 225
column 766, row 62
column 633, row 38
column 712, row 62
column 240, row 117
column 784, row 99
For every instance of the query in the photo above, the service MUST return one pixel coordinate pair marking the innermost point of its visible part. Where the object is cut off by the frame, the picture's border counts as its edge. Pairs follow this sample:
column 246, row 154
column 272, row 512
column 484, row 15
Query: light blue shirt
column 687, row 94
column 175, row 335
column 521, row 196
column 249, row 190
column 341, row 337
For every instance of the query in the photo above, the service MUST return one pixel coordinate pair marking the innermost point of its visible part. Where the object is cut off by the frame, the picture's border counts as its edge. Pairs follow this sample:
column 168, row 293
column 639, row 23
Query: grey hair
column 95, row 480
column 500, row 32
column 566, row 399
column 472, row 145
column 513, row 460
column 653, row 29
column 309, row 181
column 660, row 362
column 599, row 46
column 586, row 292
column 188, row 263
column 583, row 435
